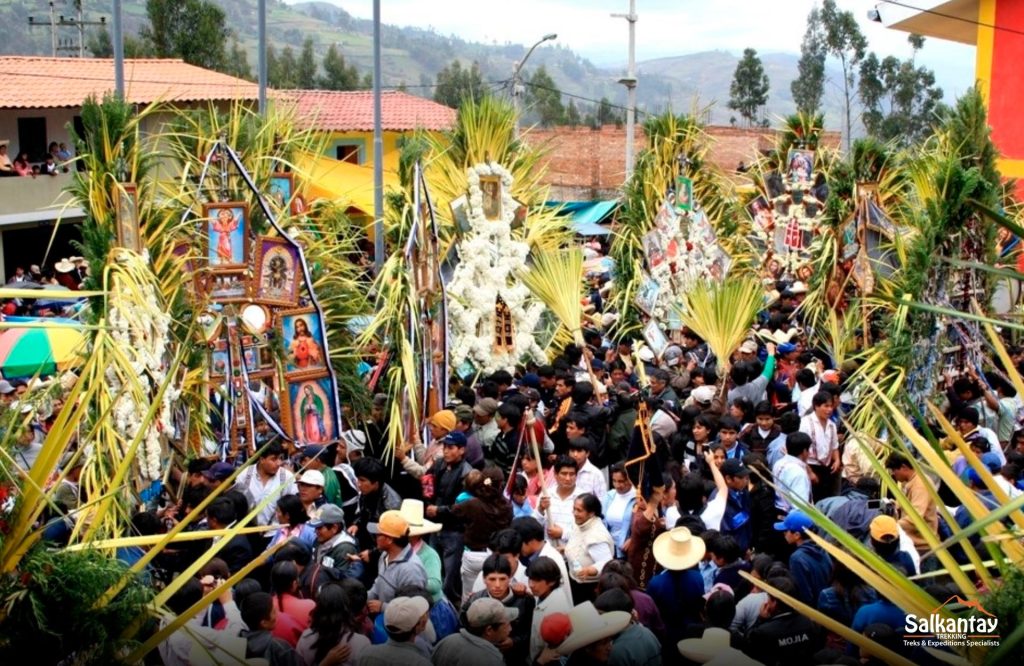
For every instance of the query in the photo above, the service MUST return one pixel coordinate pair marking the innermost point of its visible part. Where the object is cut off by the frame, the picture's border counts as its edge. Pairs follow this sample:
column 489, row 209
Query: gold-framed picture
column 225, row 234
column 278, row 272
column 490, row 188
column 302, row 339
column 307, row 409
column 229, row 285
column 126, row 216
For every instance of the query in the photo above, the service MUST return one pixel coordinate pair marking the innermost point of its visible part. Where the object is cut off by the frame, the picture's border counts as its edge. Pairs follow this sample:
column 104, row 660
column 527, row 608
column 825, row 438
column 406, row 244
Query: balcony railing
column 25, row 200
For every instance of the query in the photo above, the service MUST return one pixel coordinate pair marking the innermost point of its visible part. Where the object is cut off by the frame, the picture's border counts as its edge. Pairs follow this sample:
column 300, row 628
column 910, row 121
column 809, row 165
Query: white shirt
column 824, row 439
column 548, row 551
column 560, row 513
column 195, row 644
column 791, row 475
column 255, row 490
column 590, row 480
column 805, row 401
column 711, row 515
column 554, row 603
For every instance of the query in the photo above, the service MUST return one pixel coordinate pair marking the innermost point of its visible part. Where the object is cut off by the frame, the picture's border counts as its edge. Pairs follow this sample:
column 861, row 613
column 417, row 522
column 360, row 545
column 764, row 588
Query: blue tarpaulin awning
column 586, row 215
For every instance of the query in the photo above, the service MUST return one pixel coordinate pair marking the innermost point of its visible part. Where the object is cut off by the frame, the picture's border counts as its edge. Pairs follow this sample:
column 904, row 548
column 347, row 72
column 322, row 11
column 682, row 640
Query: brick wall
column 584, row 163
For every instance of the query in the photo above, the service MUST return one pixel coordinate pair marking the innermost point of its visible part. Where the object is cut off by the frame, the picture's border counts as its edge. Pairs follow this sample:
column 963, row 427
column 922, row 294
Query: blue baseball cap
column 795, row 521
column 786, row 348
column 454, row 438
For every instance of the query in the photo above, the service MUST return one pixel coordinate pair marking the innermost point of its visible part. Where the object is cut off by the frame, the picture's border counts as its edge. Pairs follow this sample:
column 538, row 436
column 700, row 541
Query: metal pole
column 631, row 90
column 118, row 51
column 517, row 88
column 378, row 150
column 261, row 49
column 630, row 82
column 53, row 30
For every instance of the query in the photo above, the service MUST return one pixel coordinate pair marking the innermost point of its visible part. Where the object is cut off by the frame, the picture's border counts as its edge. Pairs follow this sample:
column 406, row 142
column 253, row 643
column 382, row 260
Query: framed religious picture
column 647, row 293
column 684, row 194
column 667, row 219
column 281, row 190
column 800, row 165
column 277, row 272
column 655, row 338
column 219, row 359
column 310, row 412
column 762, row 215
column 302, row 339
column 126, row 200
column 460, row 214
column 228, row 285
column 490, row 188
column 653, row 250
column 226, row 234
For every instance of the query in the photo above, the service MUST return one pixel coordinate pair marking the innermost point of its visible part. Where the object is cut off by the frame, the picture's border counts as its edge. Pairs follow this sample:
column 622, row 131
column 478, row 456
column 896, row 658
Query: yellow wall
column 365, row 141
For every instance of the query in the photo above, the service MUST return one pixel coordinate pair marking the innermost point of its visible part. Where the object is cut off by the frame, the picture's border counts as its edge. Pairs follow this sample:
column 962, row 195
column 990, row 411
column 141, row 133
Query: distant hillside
column 413, row 56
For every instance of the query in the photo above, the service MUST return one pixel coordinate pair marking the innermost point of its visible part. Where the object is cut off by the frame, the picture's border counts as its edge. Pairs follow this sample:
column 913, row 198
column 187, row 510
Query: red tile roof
column 33, row 82
column 338, row 111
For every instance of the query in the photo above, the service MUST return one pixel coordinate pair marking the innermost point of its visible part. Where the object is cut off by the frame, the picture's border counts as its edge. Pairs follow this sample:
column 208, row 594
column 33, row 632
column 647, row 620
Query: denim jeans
column 449, row 547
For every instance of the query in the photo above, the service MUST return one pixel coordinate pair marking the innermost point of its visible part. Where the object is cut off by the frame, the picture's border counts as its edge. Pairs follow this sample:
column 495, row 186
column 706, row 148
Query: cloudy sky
column 665, row 27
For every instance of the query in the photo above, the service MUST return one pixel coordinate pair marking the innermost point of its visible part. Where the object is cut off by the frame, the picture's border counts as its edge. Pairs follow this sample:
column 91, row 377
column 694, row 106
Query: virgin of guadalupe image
column 311, row 407
column 304, row 351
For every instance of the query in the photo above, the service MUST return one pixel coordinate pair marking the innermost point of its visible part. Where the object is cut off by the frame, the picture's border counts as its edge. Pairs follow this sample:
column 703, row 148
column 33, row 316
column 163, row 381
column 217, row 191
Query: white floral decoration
column 489, row 257
column 140, row 328
column 697, row 255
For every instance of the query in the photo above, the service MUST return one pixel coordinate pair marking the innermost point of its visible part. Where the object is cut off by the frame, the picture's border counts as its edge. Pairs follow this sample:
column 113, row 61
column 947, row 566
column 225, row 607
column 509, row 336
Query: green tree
column 338, row 75
column 100, row 44
column 572, row 114
column 456, row 85
column 306, row 74
column 900, row 99
column 606, row 114
column 193, row 30
column 237, row 62
column 284, row 74
column 544, row 98
column 748, row 92
column 809, row 85
column 844, row 40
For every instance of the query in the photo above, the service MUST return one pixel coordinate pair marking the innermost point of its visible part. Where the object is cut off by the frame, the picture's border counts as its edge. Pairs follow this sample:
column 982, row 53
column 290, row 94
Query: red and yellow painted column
column 1000, row 75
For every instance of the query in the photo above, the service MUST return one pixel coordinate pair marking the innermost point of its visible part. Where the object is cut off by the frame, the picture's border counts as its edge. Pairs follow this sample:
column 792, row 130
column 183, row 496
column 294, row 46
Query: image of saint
column 762, row 213
column 800, row 166
column 305, row 352
column 311, row 407
column 224, row 225
column 277, row 273
column 491, row 198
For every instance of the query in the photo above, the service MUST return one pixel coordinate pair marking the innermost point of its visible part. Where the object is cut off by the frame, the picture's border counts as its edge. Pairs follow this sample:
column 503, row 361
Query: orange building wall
column 1000, row 59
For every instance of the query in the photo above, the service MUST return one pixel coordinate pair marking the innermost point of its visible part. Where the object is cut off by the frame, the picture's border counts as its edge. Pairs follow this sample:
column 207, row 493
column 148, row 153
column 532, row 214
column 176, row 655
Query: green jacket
column 432, row 564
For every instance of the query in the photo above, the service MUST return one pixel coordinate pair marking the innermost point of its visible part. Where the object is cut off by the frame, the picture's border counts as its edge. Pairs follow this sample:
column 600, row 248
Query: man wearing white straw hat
column 714, row 648
column 591, row 634
column 678, row 591
column 412, row 511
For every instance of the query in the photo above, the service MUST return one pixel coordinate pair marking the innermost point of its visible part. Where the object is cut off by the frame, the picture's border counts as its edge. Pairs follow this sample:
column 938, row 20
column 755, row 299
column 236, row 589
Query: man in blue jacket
column 810, row 566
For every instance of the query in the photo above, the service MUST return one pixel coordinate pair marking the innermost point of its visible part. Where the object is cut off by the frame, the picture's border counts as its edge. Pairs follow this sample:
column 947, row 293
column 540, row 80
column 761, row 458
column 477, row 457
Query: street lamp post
column 629, row 80
column 517, row 84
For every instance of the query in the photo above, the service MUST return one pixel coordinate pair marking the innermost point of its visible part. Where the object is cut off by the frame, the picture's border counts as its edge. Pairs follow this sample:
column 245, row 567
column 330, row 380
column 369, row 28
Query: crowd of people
column 52, row 163
column 514, row 531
